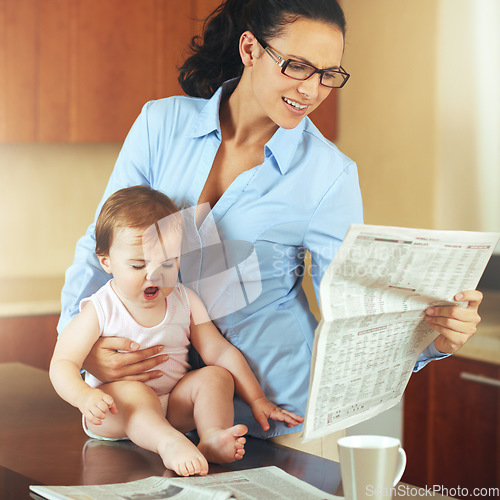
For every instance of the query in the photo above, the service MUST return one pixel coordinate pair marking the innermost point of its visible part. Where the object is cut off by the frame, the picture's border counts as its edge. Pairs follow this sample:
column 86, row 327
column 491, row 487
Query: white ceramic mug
column 370, row 466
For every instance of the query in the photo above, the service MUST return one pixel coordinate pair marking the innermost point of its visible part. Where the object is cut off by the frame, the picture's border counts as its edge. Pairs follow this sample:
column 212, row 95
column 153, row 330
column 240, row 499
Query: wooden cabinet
column 30, row 340
column 80, row 71
column 452, row 426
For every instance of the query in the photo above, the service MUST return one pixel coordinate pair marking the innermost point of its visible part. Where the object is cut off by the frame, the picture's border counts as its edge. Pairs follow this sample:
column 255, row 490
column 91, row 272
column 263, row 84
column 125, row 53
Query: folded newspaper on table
column 251, row 484
column 372, row 298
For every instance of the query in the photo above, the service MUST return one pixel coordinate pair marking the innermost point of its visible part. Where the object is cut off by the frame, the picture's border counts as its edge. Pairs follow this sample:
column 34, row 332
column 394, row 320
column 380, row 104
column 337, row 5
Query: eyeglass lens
column 301, row 71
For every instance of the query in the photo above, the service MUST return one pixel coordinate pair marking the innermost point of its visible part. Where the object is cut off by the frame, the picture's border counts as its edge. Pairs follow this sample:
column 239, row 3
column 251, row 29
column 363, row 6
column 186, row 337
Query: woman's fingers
column 473, row 297
column 455, row 321
column 118, row 344
column 455, row 324
column 116, row 358
column 461, row 319
column 134, row 364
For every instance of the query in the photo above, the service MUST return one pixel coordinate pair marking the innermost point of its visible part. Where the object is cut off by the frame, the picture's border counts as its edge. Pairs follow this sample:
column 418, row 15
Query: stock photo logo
column 224, row 273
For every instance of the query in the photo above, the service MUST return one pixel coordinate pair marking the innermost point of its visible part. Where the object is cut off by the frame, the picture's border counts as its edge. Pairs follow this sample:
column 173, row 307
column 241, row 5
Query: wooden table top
column 42, row 441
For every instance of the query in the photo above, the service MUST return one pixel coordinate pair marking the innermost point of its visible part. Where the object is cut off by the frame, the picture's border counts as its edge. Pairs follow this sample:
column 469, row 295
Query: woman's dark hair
column 215, row 55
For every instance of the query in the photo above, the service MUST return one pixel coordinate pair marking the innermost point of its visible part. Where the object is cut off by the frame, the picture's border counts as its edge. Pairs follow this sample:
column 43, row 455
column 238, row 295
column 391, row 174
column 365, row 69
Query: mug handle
column 401, row 466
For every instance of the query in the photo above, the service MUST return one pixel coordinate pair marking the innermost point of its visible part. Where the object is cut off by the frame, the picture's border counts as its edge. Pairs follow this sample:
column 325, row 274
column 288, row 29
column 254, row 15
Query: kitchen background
column 420, row 116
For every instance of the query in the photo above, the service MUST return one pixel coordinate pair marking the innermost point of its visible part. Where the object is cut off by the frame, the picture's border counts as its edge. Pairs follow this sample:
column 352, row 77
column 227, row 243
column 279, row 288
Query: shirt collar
column 281, row 146
column 208, row 119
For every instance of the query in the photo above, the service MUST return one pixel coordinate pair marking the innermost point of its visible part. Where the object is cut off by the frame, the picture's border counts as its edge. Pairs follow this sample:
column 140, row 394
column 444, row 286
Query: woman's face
column 285, row 100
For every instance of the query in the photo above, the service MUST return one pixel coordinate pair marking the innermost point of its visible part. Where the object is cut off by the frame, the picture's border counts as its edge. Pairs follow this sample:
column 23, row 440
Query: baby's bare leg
column 140, row 417
column 203, row 399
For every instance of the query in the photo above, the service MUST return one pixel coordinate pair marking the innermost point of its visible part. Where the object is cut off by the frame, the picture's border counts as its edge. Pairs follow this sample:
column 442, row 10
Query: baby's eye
column 167, row 266
column 138, row 268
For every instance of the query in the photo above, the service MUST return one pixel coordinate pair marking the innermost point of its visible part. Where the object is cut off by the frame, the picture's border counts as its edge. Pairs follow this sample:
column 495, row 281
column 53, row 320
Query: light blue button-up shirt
column 303, row 196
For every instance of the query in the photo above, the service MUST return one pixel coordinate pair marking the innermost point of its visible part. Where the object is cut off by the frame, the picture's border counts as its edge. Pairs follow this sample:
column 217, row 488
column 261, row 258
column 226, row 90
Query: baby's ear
column 105, row 263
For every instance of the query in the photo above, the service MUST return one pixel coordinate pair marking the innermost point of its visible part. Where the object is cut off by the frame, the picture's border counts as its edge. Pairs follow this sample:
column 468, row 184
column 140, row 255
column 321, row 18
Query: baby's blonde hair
column 136, row 207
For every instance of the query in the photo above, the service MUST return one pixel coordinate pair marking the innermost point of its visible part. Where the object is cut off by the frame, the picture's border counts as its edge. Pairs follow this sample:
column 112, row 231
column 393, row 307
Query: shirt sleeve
column 85, row 276
column 430, row 353
column 340, row 207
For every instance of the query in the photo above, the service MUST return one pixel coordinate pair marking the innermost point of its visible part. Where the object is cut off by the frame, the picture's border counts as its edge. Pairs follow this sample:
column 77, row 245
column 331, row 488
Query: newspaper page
column 152, row 487
column 372, row 298
column 270, row 483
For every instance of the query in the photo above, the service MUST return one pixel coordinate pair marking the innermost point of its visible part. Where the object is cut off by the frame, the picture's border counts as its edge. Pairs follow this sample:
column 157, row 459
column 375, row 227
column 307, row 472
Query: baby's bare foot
column 182, row 456
column 224, row 445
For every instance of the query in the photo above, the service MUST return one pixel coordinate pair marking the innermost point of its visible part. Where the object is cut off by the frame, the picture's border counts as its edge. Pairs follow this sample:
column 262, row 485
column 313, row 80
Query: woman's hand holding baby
column 263, row 409
column 116, row 358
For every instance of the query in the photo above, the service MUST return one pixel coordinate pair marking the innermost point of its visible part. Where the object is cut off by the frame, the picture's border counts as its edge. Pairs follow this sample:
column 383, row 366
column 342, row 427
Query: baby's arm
column 216, row 350
column 73, row 345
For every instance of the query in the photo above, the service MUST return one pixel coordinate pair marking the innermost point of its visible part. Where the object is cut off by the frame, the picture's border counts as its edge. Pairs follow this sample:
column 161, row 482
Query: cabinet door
column 30, row 340
column 325, row 117
column 452, row 426
column 125, row 53
column 18, row 40
column 80, row 71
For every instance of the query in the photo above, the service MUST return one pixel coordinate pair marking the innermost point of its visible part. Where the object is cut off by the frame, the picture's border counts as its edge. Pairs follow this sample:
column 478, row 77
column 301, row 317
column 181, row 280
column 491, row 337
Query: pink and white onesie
column 173, row 332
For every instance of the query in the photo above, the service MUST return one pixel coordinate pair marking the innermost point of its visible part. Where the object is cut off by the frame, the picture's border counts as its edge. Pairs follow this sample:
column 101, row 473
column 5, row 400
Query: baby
column 138, row 241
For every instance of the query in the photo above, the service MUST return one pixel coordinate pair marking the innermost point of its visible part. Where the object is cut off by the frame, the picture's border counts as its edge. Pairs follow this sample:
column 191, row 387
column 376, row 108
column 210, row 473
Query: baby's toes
column 197, row 466
column 181, row 469
column 192, row 467
column 203, row 468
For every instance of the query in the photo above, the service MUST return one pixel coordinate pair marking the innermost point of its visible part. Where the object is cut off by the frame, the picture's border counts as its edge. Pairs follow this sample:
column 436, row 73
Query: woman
column 243, row 144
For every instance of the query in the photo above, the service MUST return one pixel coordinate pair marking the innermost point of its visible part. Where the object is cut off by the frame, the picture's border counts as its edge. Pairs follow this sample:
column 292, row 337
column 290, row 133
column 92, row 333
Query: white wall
column 48, row 196
column 468, row 115
column 387, row 109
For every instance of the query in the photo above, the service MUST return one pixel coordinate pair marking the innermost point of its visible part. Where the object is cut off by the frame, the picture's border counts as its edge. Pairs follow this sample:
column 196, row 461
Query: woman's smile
column 295, row 105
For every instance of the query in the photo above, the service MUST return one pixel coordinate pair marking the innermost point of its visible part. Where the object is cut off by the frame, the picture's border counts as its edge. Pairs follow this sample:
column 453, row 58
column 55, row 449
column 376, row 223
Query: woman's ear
column 105, row 263
column 249, row 48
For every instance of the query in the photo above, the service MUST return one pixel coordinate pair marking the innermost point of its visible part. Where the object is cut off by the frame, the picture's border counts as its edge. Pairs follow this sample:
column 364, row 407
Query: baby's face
column 145, row 266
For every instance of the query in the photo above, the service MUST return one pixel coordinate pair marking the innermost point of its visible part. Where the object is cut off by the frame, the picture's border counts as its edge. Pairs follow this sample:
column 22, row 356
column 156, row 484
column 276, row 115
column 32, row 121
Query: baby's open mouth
column 151, row 292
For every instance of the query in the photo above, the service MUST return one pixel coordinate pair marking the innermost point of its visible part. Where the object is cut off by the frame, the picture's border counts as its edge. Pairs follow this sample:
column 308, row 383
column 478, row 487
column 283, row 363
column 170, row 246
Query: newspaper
column 373, row 297
column 252, row 484
column 271, row 483
column 154, row 487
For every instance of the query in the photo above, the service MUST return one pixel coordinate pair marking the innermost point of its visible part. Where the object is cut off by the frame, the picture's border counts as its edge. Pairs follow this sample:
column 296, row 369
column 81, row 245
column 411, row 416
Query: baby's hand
column 94, row 404
column 263, row 409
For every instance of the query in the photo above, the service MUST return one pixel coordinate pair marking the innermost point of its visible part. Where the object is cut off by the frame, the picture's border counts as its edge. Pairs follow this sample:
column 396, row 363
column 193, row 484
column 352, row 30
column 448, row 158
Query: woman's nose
column 310, row 88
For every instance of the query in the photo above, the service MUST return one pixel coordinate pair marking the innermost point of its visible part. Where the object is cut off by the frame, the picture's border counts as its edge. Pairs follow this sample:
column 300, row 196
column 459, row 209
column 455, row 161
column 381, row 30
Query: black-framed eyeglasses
column 299, row 70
